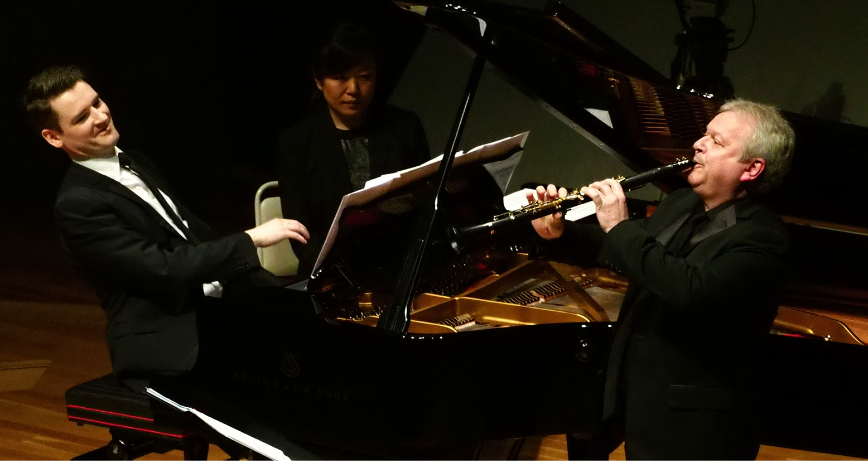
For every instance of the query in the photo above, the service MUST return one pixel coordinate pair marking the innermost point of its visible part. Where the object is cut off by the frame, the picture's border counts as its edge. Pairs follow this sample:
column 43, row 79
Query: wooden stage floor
column 47, row 312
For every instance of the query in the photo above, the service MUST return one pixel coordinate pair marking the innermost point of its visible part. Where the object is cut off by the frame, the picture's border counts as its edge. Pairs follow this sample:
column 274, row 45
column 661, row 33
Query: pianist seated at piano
column 705, row 271
column 347, row 138
column 161, row 276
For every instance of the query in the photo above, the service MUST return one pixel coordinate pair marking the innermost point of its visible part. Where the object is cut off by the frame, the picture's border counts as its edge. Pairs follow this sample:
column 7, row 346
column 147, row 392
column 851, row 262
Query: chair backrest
column 278, row 259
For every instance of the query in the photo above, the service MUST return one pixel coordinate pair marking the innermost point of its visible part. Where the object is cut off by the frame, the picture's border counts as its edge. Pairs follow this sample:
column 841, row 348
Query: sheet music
column 228, row 431
column 516, row 199
column 502, row 170
column 382, row 185
column 580, row 211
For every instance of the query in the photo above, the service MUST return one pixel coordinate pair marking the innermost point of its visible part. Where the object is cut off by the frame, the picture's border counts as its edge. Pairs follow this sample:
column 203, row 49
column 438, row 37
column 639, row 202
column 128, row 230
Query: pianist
column 345, row 140
column 705, row 271
column 154, row 265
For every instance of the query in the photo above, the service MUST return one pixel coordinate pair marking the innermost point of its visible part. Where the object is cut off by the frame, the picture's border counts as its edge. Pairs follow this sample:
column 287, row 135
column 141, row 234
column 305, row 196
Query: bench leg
column 116, row 449
column 123, row 448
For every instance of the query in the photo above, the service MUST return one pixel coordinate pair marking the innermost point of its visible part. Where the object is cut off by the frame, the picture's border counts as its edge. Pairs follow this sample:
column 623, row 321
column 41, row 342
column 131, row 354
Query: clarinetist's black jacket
column 696, row 324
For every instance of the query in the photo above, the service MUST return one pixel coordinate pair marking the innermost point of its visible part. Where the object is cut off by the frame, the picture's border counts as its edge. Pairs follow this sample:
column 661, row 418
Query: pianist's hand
column 608, row 196
column 551, row 226
column 278, row 230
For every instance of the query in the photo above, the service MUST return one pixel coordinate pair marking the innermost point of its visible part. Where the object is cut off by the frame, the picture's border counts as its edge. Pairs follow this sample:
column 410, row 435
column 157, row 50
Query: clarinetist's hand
column 550, row 226
column 611, row 202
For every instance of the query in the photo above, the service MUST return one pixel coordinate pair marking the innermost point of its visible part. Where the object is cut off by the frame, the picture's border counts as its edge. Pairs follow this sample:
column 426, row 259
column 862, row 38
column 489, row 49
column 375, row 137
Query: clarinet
column 574, row 198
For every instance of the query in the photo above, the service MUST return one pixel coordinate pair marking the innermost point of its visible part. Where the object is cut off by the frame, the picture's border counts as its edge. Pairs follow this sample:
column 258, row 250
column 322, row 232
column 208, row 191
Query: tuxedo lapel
column 669, row 232
column 676, row 216
column 196, row 226
column 725, row 219
column 681, row 212
column 92, row 179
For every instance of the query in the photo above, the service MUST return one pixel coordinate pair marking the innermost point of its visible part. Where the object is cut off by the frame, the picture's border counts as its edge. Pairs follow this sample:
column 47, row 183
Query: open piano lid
column 560, row 60
column 576, row 72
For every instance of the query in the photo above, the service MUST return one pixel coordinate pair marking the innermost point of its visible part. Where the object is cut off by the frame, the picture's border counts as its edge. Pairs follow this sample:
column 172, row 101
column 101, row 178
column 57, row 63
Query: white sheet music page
column 229, row 432
column 382, row 185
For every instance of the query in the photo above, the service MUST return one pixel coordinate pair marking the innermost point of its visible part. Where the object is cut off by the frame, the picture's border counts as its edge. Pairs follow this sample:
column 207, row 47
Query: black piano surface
column 313, row 366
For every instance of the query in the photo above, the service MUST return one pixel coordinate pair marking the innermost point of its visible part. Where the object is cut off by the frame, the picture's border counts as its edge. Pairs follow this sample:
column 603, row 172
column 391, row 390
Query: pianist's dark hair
column 773, row 139
column 42, row 88
column 348, row 45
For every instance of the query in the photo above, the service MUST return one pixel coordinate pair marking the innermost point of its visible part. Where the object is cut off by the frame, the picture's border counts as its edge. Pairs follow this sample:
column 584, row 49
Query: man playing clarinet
column 705, row 272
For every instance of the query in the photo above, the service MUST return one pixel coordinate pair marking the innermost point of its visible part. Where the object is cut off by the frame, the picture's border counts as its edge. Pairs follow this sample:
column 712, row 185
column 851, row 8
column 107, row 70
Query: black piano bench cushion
column 105, row 401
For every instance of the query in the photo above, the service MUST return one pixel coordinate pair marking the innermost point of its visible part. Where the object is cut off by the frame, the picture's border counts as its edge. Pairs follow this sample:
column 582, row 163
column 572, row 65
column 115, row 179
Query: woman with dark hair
column 344, row 141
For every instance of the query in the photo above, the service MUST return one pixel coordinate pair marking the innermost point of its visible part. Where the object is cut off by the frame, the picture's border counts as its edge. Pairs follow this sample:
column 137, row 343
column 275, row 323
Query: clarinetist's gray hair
column 773, row 139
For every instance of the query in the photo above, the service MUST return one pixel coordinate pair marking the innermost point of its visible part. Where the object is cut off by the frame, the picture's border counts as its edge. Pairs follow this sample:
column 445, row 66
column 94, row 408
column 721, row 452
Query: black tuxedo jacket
column 691, row 330
column 313, row 172
column 148, row 278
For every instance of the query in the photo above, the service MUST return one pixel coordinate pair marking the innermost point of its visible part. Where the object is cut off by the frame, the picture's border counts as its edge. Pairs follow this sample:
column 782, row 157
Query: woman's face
column 349, row 94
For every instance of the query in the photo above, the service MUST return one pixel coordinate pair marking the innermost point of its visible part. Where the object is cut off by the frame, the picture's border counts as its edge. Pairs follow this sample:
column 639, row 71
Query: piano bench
column 137, row 427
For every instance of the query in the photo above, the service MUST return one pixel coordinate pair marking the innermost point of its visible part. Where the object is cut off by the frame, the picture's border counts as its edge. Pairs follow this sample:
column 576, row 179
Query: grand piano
column 406, row 344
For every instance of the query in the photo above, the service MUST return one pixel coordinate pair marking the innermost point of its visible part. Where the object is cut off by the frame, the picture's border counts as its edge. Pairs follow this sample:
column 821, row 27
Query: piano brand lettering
column 289, row 367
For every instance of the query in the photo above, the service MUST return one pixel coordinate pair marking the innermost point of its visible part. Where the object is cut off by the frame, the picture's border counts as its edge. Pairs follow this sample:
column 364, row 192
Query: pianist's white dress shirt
column 111, row 167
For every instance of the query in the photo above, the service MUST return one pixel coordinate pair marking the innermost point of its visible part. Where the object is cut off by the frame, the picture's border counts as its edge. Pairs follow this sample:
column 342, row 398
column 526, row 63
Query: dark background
column 202, row 87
